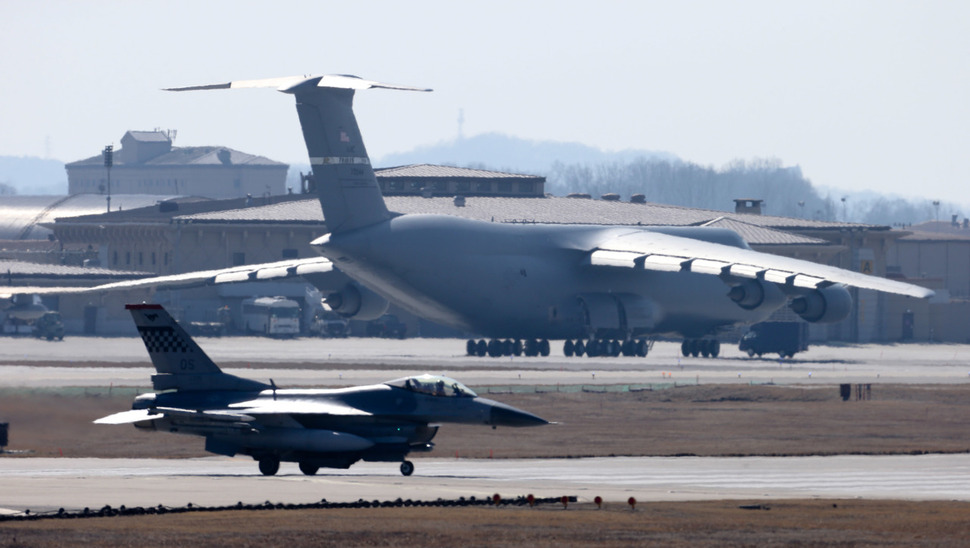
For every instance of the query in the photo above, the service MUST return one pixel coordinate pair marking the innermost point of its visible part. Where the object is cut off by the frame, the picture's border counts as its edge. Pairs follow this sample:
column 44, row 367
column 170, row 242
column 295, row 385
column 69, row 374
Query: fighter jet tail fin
column 180, row 362
column 345, row 181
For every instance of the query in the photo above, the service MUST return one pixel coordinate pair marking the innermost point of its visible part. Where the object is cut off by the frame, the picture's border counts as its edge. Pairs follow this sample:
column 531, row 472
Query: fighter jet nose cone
column 503, row 415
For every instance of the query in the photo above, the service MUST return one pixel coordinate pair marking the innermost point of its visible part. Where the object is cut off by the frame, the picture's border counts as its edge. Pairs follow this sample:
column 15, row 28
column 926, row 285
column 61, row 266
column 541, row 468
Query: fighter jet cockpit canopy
column 434, row 385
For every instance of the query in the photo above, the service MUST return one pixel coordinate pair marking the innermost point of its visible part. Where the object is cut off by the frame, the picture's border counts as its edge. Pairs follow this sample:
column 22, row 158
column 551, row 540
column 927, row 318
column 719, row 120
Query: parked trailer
column 274, row 316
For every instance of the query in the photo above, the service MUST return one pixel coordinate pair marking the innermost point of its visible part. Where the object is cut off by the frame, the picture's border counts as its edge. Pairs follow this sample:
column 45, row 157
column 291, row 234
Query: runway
column 48, row 484
column 44, row 484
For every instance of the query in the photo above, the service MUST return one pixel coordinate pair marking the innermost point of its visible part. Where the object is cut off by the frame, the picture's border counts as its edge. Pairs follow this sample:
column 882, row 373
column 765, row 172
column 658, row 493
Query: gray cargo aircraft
column 603, row 290
column 313, row 427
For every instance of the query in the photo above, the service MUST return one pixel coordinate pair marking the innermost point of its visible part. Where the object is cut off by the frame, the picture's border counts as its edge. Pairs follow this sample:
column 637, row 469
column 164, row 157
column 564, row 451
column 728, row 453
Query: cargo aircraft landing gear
column 606, row 347
column 709, row 348
column 497, row 347
column 407, row 468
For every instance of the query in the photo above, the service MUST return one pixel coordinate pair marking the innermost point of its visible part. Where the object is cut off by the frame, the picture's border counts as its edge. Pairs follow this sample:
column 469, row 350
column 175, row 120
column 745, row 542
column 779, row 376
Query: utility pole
column 108, row 160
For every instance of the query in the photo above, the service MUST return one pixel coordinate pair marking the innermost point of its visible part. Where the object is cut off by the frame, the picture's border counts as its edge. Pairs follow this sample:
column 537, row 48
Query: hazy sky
column 862, row 95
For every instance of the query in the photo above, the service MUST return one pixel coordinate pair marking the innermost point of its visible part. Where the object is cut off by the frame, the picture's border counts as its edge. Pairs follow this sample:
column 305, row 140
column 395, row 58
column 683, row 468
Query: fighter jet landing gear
column 308, row 469
column 606, row 347
column 269, row 466
column 709, row 348
column 497, row 347
column 407, row 468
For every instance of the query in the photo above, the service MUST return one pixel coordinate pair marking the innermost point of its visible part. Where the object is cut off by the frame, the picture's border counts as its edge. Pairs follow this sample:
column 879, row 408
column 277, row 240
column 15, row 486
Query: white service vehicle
column 277, row 316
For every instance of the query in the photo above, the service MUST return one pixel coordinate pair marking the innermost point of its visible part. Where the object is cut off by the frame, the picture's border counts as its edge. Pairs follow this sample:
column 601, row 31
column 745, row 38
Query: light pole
column 108, row 160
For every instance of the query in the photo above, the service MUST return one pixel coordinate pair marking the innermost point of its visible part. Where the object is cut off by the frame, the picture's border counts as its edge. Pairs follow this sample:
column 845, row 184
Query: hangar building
column 147, row 163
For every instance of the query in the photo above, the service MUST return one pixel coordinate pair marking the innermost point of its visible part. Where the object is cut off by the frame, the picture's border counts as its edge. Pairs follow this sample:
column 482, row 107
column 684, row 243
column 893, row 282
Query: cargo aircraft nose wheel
column 407, row 468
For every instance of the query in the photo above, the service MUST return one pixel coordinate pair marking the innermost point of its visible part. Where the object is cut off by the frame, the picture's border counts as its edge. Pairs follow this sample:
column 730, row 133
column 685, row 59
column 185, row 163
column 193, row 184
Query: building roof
column 937, row 231
column 424, row 171
column 21, row 217
column 194, row 156
column 25, row 273
column 755, row 229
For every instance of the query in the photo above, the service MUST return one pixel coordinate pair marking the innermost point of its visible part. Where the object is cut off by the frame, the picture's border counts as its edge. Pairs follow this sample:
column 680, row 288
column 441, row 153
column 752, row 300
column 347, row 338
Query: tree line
column 785, row 190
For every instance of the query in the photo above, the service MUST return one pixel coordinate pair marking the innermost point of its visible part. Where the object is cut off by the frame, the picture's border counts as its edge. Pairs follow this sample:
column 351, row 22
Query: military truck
column 785, row 338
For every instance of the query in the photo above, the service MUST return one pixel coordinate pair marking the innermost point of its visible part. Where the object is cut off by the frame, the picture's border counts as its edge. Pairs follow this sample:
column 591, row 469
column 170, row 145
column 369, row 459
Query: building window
column 114, row 258
column 464, row 186
column 141, row 258
column 290, row 253
column 525, row 187
column 165, row 259
column 128, row 258
column 153, row 258
column 238, row 258
column 505, row 186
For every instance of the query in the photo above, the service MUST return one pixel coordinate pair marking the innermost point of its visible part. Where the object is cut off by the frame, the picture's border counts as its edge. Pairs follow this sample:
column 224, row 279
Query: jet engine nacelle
column 827, row 305
column 358, row 303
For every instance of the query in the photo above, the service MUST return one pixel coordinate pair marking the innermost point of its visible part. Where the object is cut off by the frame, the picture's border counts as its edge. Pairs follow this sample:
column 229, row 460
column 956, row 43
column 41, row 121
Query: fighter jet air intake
column 603, row 290
column 313, row 427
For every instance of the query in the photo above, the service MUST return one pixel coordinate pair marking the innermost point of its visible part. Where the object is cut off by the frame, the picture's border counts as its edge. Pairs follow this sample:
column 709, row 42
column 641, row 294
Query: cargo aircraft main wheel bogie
column 708, row 348
column 407, row 468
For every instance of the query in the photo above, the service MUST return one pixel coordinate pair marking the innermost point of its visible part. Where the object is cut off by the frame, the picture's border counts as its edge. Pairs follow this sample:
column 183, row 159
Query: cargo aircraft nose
column 506, row 415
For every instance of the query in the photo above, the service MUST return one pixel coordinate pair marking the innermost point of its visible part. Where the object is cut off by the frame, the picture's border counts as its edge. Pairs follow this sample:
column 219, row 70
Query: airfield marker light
column 565, row 502
column 632, row 502
column 496, row 499
column 599, row 502
column 531, row 499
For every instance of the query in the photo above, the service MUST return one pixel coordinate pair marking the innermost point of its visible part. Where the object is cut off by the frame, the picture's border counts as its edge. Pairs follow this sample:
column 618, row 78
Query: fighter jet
column 603, row 290
column 332, row 428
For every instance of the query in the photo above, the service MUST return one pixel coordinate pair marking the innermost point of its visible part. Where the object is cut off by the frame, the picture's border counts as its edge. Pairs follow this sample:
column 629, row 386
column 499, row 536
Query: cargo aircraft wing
column 245, row 273
column 667, row 253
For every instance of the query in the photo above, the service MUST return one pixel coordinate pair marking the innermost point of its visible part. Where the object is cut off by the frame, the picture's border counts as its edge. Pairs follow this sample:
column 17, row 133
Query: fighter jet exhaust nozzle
column 826, row 305
column 356, row 302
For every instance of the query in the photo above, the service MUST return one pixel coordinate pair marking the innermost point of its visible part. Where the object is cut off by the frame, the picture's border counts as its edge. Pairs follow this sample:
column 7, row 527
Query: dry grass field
column 692, row 420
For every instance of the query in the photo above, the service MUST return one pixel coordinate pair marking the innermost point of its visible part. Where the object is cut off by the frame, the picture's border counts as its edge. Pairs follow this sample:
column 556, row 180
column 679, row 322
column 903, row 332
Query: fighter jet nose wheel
column 407, row 468
column 269, row 467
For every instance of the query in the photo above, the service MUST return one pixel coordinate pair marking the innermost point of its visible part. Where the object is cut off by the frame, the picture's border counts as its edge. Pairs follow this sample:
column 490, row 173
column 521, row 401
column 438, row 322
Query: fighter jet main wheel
column 308, row 469
column 269, row 467
column 407, row 468
column 567, row 348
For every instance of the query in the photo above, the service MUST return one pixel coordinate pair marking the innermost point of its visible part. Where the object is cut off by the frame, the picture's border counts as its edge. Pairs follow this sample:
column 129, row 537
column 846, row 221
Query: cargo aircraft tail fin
column 180, row 363
column 346, row 184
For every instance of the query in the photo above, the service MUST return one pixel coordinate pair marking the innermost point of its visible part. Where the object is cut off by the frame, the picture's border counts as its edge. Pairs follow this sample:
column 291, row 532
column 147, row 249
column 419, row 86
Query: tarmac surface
column 122, row 361
column 47, row 484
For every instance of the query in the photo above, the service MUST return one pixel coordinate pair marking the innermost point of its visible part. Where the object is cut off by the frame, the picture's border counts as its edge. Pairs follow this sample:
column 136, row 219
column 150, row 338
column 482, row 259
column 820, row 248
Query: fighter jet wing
column 138, row 415
column 245, row 273
column 290, row 406
column 664, row 252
